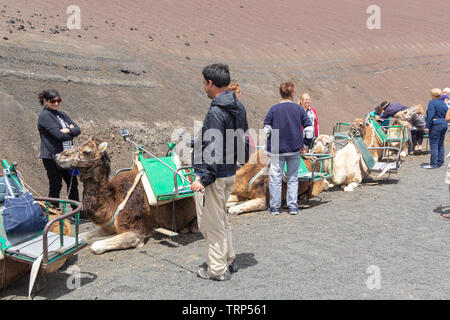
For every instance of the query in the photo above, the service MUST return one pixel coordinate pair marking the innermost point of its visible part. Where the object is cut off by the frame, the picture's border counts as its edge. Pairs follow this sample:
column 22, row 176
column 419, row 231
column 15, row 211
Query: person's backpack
column 246, row 139
column 22, row 213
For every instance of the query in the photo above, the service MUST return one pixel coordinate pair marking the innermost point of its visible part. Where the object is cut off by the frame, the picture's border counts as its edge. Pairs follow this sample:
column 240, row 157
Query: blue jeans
column 437, row 137
column 276, row 174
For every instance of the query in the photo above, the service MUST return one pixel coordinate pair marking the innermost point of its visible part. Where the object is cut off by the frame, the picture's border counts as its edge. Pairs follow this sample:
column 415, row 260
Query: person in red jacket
column 305, row 102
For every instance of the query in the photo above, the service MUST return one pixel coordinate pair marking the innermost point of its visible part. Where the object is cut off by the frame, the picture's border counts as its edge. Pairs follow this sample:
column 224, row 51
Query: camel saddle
column 161, row 184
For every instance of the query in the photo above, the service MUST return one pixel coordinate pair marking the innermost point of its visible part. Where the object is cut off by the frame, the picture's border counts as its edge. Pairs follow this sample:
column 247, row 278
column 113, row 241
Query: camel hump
column 121, row 183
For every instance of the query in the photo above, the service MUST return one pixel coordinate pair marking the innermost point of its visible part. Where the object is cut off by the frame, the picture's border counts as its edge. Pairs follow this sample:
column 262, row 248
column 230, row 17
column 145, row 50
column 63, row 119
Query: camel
column 102, row 195
column 16, row 270
column 367, row 132
column 349, row 167
column 404, row 118
column 371, row 139
column 407, row 119
column 252, row 181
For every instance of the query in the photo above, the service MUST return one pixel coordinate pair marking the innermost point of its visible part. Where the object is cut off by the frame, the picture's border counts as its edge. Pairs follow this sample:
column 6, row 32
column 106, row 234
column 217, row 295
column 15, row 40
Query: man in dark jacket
column 216, row 153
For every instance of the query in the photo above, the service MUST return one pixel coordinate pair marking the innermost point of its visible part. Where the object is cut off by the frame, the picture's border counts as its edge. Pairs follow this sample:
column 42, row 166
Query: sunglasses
column 59, row 100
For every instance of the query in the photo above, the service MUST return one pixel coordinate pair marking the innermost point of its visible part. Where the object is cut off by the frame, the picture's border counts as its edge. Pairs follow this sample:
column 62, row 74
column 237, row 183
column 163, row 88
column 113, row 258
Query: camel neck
column 96, row 195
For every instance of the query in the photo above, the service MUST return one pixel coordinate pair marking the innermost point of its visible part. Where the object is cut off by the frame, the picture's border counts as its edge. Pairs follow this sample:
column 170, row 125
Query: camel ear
column 102, row 147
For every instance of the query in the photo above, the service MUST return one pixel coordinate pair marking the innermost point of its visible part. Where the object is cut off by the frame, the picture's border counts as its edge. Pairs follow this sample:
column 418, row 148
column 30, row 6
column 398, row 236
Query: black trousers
column 55, row 177
column 417, row 136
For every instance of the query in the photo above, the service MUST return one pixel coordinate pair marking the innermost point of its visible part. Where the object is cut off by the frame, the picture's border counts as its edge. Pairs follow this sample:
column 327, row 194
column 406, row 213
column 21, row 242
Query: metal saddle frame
column 40, row 249
column 163, row 184
column 391, row 165
column 305, row 175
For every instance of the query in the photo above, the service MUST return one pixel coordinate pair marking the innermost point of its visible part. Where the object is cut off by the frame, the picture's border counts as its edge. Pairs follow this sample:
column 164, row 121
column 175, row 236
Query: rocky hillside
column 137, row 64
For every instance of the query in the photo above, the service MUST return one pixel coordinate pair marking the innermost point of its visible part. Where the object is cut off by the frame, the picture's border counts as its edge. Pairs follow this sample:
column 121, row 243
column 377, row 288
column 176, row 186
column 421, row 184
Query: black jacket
column 49, row 130
column 211, row 158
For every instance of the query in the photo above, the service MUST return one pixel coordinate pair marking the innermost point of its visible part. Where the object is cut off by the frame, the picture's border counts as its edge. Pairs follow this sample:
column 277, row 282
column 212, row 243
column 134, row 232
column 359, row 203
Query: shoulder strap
column 8, row 185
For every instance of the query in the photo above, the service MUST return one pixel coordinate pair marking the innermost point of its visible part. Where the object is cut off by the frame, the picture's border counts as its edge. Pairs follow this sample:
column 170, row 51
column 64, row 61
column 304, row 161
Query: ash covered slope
column 138, row 63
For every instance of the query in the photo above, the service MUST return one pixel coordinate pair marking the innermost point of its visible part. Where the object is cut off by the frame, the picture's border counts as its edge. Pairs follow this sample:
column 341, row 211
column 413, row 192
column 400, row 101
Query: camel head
column 85, row 156
column 408, row 113
column 324, row 145
column 403, row 118
column 358, row 127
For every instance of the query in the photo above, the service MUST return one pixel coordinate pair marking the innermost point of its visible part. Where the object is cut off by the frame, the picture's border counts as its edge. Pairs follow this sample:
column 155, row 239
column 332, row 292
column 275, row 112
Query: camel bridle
column 79, row 160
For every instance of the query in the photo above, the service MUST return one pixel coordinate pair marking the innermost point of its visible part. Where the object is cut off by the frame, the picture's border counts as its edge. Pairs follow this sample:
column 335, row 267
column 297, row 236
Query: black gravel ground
column 323, row 253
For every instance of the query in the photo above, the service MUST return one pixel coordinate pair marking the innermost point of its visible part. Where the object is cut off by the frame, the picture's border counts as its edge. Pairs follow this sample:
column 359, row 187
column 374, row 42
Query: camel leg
column 327, row 185
column 96, row 233
column 184, row 230
column 350, row 187
column 233, row 198
column 121, row 241
column 193, row 226
column 232, row 204
column 249, row 206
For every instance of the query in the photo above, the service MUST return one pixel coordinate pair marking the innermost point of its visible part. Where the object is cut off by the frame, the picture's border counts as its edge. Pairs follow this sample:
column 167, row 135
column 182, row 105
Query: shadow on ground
column 244, row 261
column 442, row 210
column 53, row 285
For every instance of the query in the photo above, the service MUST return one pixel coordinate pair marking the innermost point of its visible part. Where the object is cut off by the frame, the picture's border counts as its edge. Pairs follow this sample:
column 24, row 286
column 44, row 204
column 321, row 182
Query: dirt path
column 323, row 253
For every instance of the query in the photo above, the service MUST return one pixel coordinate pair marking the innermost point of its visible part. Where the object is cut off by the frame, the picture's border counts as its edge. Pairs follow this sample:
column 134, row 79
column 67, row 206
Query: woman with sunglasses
column 57, row 131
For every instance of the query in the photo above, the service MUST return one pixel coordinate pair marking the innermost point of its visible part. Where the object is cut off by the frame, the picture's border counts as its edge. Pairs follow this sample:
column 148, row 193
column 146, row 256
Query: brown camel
column 248, row 195
column 102, row 196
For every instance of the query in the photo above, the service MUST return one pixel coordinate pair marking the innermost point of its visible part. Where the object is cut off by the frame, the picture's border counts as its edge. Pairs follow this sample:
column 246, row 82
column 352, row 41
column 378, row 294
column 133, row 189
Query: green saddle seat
column 391, row 166
column 367, row 156
column 161, row 179
column 305, row 175
column 385, row 137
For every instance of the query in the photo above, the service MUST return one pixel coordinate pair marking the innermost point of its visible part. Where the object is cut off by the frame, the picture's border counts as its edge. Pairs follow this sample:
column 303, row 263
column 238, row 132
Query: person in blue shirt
column 437, row 126
column 285, row 124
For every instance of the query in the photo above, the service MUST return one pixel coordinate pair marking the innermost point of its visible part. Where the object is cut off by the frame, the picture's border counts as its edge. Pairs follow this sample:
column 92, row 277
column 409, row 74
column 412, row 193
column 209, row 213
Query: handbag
column 22, row 213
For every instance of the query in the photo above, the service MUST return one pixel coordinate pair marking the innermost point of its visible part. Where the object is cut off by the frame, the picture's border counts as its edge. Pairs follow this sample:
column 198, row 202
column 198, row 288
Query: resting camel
column 371, row 139
column 252, row 185
column 407, row 119
column 349, row 168
column 367, row 132
column 16, row 270
column 102, row 196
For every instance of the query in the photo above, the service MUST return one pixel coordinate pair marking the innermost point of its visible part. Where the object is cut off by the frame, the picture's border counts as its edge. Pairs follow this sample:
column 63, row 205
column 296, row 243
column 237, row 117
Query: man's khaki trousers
column 213, row 222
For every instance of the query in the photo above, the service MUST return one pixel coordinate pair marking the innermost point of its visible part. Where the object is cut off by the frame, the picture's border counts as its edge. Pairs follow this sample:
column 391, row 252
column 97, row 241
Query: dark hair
column 379, row 109
column 219, row 74
column 287, row 90
column 47, row 95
